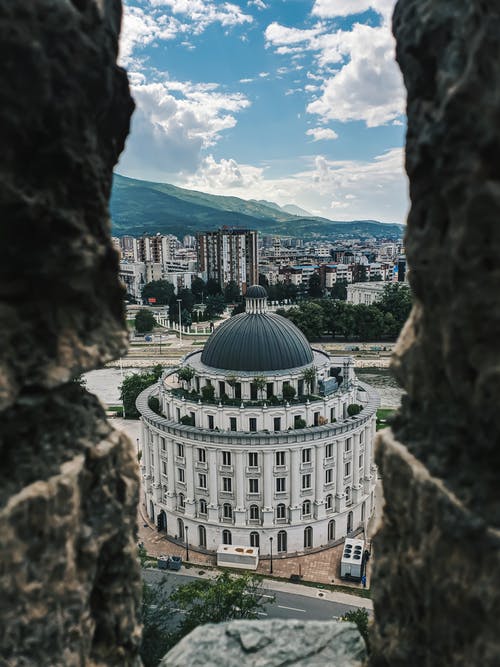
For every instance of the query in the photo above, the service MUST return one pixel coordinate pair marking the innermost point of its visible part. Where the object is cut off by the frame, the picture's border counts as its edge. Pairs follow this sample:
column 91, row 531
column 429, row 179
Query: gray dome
column 257, row 342
column 256, row 292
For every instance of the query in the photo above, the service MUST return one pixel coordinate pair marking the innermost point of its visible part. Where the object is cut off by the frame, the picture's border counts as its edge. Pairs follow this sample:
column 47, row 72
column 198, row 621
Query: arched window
column 226, row 537
column 348, row 494
column 306, row 508
column 281, row 511
column 254, row 512
column 203, row 506
column 281, row 541
column 180, row 529
column 329, row 502
column 254, row 539
column 308, row 537
column 202, row 537
column 227, row 512
column 331, row 530
column 182, row 501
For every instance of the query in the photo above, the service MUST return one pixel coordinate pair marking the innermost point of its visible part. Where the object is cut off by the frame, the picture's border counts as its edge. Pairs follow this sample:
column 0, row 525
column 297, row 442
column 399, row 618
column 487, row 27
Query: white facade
column 240, row 468
column 365, row 293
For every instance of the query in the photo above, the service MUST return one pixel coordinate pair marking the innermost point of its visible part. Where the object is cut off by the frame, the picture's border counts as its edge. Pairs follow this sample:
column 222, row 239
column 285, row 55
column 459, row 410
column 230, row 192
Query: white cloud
column 322, row 133
column 201, row 13
column 366, row 84
column 257, row 3
column 246, row 80
column 334, row 8
column 141, row 28
column 346, row 190
column 263, row 75
column 174, row 123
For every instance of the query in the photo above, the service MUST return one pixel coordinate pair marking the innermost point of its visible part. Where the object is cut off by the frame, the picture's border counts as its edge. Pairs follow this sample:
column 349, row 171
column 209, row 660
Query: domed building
column 264, row 441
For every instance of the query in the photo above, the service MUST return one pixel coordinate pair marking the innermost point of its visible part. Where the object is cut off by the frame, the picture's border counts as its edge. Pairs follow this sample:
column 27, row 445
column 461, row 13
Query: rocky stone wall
column 69, row 578
column 437, row 552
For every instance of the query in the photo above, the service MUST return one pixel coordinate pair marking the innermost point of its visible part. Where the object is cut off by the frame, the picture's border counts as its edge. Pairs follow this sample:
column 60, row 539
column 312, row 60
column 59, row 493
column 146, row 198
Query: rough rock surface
column 438, row 550
column 69, row 579
column 272, row 643
column 64, row 116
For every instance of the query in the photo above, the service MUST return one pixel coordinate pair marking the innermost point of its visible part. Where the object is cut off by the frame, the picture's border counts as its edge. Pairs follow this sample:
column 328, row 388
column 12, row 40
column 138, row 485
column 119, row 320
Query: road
column 286, row 605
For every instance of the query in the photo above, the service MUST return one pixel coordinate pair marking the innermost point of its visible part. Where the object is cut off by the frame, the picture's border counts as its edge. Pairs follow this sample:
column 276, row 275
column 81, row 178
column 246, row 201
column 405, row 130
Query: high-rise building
column 229, row 255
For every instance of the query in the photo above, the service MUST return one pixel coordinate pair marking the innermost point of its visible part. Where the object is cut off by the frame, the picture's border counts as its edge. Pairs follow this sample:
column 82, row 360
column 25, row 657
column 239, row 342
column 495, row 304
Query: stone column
column 170, row 474
column 357, row 488
column 295, row 481
column 319, row 482
column 146, row 453
column 213, row 510
column 157, row 491
column 239, row 481
column 339, row 467
column 367, row 463
column 190, row 504
column 267, row 469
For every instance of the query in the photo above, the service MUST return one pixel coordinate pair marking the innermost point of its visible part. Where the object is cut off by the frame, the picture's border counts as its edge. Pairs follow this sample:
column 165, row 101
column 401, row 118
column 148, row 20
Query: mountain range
column 142, row 207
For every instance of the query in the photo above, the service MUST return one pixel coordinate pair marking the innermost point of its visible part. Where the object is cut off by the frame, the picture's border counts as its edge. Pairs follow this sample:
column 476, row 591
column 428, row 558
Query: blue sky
column 292, row 101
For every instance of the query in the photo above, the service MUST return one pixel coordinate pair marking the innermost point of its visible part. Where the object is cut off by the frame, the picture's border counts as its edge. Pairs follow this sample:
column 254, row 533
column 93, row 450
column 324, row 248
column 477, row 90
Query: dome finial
column 256, row 300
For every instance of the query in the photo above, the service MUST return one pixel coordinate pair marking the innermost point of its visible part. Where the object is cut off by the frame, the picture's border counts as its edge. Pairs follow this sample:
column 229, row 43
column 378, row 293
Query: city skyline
column 293, row 102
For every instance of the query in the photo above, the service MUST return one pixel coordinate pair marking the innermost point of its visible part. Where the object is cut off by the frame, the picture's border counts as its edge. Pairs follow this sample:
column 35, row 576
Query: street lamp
column 271, row 568
column 179, row 301
column 187, row 544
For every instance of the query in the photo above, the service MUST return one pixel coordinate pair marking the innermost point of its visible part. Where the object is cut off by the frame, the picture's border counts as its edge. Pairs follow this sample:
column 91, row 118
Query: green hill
column 142, row 207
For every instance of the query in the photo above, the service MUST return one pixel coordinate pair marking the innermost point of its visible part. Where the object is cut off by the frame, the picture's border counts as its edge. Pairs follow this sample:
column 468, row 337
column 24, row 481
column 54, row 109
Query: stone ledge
column 436, row 561
column 273, row 643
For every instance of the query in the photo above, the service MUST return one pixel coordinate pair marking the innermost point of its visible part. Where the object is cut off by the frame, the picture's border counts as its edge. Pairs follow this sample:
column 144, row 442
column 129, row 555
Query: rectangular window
column 253, row 485
column 328, row 476
column 347, row 470
column 332, row 415
column 253, row 392
column 316, row 419
column 178, row 413
column 347, row 446
column 277, row 423
column 361, row 460
column 329, row 451
column 306, row 456
column 280, row 484
column 180, row 450
column 306, row 482
column 270, row 389
column 280, row 459
column 222, row 389
column 232, row 423
column 227, row 484
column 361, row 437
column 180, row 475
column 252, row 424
column 193, row 418
column 202, row 481
column 253, row 460
column 226, row 458
column 281, row 511
column 210, row 422
column 162, row 440
column 164, row 468
column 202, row 455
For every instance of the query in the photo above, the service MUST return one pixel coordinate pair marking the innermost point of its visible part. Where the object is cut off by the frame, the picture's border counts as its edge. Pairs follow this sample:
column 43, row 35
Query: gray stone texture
column 64, row 116
column 272, row 643
column 437, row 556
column 69, row 578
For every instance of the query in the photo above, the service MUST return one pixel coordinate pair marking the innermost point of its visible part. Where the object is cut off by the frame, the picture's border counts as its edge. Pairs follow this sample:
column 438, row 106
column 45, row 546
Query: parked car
column 169, row 562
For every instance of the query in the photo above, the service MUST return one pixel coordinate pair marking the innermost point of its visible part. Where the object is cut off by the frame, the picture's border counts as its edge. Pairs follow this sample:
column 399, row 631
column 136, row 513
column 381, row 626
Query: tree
column 240, row 308
column 231, row 292
column 315, row 289
column 360, row 618
column 260, row 383
column 215, row 306
column 354, row 409
column 359, row 273
column 161, row 290
column 263, row 281
column 156, row 617
column 396, row 299
column 232, row 380
column 309, row 377
column 368, row 322
column 144, row 321
column 198, row 287
column 132, row 386
column 288, row 392
column 339, row 290
column 218, row 600
column 213, row 287
column 186, row 374
column 208, row 392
